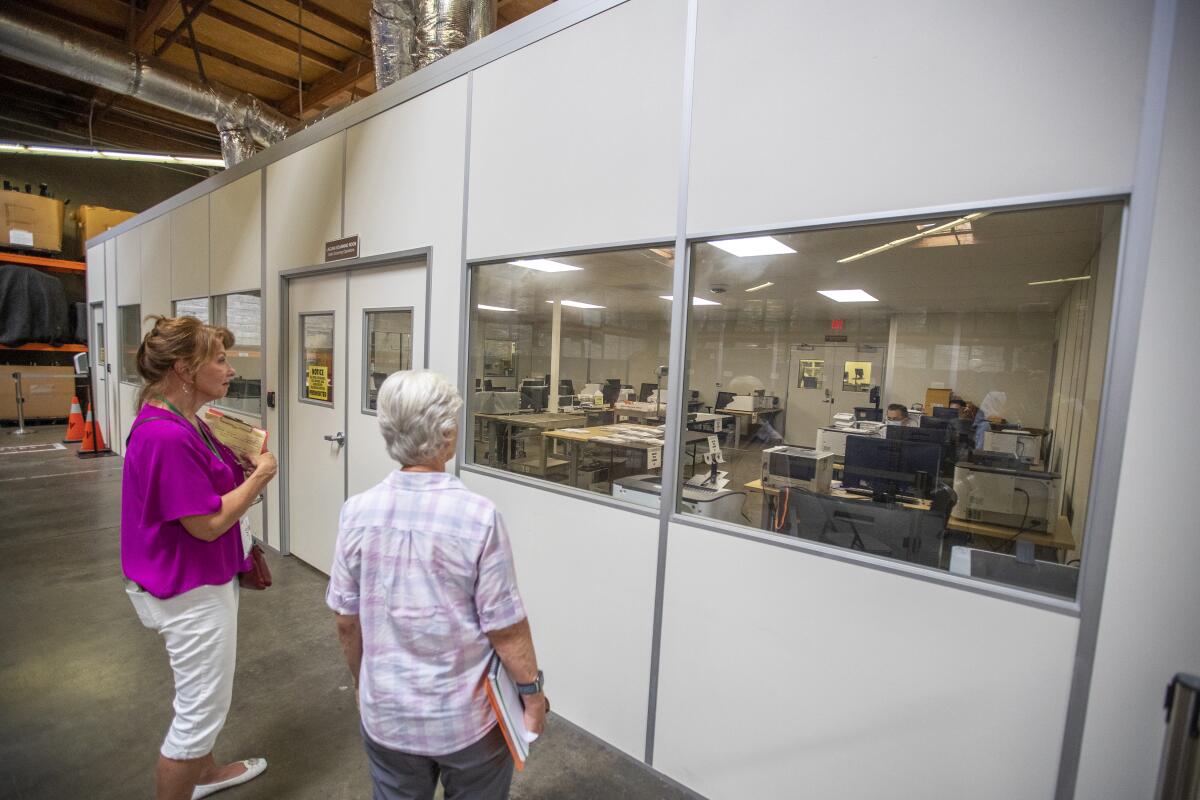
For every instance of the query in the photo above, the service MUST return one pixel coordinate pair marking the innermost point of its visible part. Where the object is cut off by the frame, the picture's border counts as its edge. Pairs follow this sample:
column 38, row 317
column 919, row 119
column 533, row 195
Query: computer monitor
column 644, row 392
column 868, row 414
column 565, row 386
column 937, row 423
column 945, row 412
column 487, row 385
column 534, row 396
column 610, row 390
column 932, row 433
column 892, row 466
column 723, row 399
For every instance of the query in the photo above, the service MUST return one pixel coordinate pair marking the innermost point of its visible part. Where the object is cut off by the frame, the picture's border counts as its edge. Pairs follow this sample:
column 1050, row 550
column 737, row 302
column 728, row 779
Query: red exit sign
column 837, row 324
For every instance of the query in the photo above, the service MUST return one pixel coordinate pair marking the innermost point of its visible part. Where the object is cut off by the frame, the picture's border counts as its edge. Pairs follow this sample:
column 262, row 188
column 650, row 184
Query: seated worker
column 957, row 403
column 897, row 414
column 991, row 410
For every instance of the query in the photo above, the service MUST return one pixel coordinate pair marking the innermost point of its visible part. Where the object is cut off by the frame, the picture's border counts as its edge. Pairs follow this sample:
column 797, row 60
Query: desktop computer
column 891, row 466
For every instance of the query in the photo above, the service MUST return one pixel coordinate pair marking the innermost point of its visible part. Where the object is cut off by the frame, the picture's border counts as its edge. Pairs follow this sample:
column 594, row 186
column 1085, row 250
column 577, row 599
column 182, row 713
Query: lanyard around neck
column 208, row 443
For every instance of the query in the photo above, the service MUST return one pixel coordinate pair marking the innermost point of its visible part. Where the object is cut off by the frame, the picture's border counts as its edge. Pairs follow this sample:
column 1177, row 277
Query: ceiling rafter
column 234, row 21
column 355, row 70
column 156, row 15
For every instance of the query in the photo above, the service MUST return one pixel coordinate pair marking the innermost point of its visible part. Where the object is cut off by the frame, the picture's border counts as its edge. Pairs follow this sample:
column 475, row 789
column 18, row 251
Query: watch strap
column 532, row 688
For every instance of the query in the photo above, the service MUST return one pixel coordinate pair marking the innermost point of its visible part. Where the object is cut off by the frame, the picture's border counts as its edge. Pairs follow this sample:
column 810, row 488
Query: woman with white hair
column 423, row 588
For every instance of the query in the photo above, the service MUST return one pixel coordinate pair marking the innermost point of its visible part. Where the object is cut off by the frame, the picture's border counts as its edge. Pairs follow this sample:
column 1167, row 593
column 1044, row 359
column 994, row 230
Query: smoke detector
column 718, row 288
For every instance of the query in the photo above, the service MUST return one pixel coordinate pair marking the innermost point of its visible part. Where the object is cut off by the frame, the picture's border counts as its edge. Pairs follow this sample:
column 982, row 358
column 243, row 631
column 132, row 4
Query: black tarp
column 33, row 307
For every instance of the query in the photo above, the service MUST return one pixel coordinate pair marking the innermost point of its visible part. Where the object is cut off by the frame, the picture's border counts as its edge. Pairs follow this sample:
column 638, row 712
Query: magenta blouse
column 170, row 473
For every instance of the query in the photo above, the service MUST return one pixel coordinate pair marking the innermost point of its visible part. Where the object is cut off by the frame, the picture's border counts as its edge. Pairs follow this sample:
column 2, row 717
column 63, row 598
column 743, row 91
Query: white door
column 317, row 402
column 825, row 380
column 346, row 332
column 98, row 367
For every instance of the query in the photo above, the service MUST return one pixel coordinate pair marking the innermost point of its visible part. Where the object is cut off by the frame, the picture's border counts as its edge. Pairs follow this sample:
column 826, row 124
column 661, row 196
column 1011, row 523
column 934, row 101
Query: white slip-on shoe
column 254, row 768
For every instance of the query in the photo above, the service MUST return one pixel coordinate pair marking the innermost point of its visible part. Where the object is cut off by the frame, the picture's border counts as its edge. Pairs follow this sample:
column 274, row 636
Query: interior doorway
column 824, row 380
column 99, row 369
column 346, row 331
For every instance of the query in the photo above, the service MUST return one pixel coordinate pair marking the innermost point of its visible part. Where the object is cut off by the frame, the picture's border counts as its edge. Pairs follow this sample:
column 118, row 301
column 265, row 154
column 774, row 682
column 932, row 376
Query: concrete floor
column 85, row 690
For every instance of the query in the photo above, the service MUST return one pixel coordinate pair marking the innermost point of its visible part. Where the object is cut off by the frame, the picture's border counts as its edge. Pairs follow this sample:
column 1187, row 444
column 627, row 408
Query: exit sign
column 837, row 324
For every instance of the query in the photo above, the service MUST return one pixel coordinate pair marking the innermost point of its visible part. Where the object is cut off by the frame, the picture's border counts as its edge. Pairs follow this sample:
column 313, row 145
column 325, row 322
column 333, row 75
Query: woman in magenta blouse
column 182, row 496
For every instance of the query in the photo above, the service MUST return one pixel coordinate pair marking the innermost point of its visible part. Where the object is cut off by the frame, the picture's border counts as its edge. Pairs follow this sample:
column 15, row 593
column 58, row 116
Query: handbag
column 259, row 574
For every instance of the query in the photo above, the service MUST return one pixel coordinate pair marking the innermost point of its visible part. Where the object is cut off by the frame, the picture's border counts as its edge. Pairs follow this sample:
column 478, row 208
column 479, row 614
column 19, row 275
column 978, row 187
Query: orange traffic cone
column 75, row 423
column 93, row 441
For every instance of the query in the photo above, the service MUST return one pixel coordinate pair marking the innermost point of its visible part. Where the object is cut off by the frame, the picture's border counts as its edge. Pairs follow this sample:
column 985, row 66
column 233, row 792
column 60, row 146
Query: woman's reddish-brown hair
column 173, row 339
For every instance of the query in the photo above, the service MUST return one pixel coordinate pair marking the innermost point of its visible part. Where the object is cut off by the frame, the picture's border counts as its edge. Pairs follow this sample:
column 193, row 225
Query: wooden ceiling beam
column 354, row 71
column 188, row 18
column 246, row 26
column 320, row 12
column 157, row 14
column 241, row 63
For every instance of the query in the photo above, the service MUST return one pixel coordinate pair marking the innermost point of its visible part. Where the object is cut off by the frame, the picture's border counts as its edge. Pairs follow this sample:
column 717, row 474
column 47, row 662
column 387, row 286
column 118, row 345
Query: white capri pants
column 200, row 630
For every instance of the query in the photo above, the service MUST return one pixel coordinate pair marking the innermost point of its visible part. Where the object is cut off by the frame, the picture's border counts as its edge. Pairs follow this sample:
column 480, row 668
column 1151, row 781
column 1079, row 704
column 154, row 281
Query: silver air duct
column 410, row 34
column 241, row 119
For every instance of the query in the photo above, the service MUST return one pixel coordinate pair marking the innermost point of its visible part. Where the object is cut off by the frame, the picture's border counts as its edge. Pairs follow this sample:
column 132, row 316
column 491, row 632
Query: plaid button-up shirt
column 426, row 565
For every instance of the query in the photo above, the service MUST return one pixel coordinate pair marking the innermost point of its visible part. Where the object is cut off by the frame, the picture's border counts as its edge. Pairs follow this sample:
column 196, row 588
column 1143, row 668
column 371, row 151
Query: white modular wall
column 785, row 675
column 156, row 269
column 189, row 250
column 404, row 191
column 1148, row 627
column 235, row 236
column 587, row 576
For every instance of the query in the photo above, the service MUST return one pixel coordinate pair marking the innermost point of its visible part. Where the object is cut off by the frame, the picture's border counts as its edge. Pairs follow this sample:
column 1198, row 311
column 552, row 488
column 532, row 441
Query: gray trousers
column 481, row 771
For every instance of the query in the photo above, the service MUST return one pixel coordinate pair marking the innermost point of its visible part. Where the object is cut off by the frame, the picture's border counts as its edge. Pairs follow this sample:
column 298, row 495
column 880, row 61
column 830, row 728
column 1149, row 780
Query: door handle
column 338, row 437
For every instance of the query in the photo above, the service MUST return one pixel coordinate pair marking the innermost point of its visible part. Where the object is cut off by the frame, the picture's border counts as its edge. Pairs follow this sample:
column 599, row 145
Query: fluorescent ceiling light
column 575, row 304
column 696, row 301
column 483, row 307
column 848, row 295
column 920, row 235
column 760, row 286
column 753, row 246
column 544, row 265
column 1061, row 280
column 110, row 155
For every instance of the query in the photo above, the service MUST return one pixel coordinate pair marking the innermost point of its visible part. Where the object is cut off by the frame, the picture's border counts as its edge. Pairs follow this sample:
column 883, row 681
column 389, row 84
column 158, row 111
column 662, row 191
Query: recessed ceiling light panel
column 760, row 286
column 575, row 304
column 544, row 265
column 696, row 301
column 484, row 307
column 753, row 246
column 1061, row 280
column 848, row 295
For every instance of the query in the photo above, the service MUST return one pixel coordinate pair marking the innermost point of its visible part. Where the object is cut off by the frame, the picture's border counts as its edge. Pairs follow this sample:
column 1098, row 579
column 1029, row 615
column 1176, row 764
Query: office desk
column 576, row 440
column 1061, row 540
column 648, row 411
column 750, row 417
column 501, row 428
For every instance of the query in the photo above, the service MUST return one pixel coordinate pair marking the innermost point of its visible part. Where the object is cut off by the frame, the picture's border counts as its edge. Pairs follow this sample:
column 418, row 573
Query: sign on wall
column 339, row 249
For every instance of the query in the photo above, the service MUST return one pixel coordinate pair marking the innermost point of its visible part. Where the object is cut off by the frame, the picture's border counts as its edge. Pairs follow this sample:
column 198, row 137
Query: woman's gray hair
column 418, row 415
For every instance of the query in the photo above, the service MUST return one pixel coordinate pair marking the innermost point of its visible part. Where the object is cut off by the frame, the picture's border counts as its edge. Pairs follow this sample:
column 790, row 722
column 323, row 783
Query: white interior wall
column 786, row 675
column 95, row 274
column 586, row 574
column 404, row 191
column 304, row 210
column 129, row 267
column 575, row 139
column 1149, row 628
column 111, row 336
column 1005, row 131
column 156, row 268
column 235, row 236
column 1008, row 352
column 189, row 250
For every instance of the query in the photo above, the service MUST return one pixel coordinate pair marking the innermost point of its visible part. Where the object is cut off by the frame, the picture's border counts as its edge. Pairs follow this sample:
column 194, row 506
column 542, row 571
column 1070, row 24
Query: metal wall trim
column 545, row 22
column 677, row 381
column 262, row 326
column 584, row 250
column 556, row 488
column 1115, row 397
column 363, row 262
column 465, row 288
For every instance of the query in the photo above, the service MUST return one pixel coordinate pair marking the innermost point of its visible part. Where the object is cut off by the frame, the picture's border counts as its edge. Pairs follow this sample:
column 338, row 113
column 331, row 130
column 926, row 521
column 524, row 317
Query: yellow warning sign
column 317, row 382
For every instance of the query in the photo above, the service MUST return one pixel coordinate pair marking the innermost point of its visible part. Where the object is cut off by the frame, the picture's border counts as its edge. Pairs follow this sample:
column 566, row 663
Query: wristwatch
column 532, row 688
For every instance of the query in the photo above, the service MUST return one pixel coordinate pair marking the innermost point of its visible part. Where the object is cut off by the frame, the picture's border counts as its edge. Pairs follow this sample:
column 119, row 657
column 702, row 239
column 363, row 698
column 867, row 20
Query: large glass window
column 131, row 339
column 568, row 357
column 387, row 348
column 241, row 313
column 970, row 351
column 196, row 307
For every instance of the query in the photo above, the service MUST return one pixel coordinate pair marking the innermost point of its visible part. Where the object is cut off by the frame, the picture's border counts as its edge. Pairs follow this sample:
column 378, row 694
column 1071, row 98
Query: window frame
column 207, row 299
column 412, row 311
column 300, row 389
column 136, row 380
column 212, row 315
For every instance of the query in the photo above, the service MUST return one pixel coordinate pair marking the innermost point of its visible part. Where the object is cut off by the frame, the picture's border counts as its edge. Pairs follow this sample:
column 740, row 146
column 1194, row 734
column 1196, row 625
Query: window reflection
column 961, row 433
column 131, row 339
column 241, row 313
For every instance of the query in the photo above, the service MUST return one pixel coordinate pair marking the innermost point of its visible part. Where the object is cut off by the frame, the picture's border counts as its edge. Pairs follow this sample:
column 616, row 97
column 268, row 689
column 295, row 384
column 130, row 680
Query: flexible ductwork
column 241, row 119
column 410, row 34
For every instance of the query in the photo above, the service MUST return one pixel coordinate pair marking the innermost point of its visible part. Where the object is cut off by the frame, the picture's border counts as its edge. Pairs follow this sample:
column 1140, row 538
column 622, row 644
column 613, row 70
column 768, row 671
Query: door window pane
column 241, row 313
column 1009, row 316
column 387, row 349
column 131, row 339
column 197, row 307
column 565, row 364
column 316, row 377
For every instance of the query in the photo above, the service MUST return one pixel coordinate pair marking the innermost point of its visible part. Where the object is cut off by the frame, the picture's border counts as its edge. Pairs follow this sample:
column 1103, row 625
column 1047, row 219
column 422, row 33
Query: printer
column 997, row 495
column 833, row 439
column 843, row 419
column 759, row 401
column 1025, row 445
column 646, row 490
column 790, row 467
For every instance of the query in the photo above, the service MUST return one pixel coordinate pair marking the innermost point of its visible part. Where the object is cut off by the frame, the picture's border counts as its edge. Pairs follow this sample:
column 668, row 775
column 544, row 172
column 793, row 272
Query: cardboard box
column 95, row 220
column 47, row 391
column 32, row 221
column 935, row 398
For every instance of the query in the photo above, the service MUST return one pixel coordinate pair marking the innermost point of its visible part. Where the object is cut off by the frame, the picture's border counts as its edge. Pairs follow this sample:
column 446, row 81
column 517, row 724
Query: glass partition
column 387, row 348
column 316, row 374
column 196, row 307
column 241, row 313
column 921, row 390
column 568, row 355
column 131, row 339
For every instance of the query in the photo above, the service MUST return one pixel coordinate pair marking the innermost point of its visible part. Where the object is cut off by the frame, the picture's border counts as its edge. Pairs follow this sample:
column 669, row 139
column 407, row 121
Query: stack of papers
column 510, row 711
column 240, row 436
